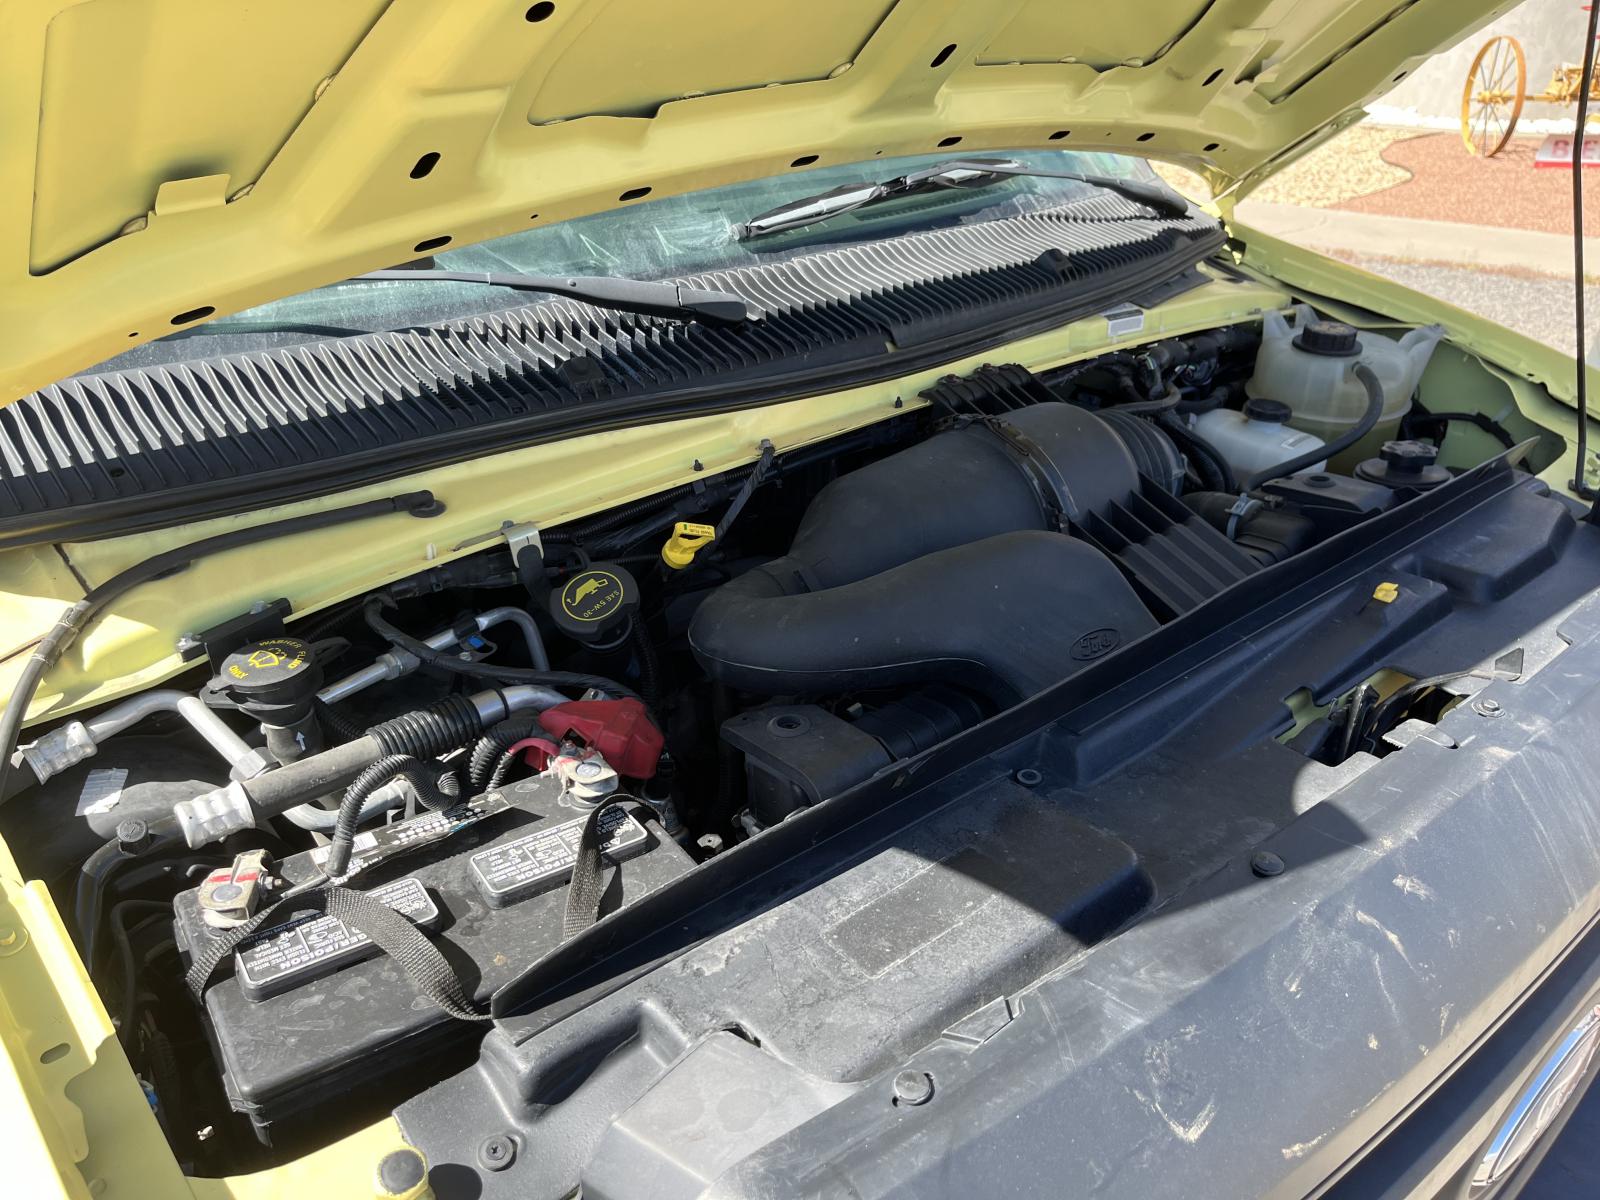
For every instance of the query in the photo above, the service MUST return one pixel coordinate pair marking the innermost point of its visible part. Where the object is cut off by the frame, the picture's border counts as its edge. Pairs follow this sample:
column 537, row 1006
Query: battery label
column 389, row 841
column 312, row 946
column 511, row 872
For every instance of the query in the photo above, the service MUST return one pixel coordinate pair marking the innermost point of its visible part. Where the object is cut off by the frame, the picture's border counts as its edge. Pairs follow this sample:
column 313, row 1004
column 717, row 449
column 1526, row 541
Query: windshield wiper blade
column 955, row 174
column 641, row 296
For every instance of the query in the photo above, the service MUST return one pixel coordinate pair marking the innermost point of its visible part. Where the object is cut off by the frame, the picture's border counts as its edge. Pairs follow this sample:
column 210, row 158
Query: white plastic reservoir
column 1257, row 438
column 1307, row 364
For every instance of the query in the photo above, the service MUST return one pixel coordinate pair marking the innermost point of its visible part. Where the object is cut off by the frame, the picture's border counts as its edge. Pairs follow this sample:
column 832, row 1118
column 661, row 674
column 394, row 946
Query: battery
column 285, row 956
column 312, row 1017
column 539, row 861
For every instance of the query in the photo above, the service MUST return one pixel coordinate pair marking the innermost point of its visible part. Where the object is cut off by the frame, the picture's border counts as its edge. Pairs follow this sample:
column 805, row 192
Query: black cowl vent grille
column 123, row 449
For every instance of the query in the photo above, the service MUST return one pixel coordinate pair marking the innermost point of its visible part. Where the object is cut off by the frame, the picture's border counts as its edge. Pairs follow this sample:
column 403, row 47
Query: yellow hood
column 168, row 160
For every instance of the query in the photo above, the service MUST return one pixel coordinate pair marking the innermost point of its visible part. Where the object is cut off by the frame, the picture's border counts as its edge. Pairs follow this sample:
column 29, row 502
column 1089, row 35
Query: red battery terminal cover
column 621, row 730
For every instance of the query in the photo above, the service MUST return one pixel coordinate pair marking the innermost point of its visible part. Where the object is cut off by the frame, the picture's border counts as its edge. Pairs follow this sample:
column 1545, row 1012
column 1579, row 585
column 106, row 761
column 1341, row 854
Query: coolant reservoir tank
column 1257, row 438
column 1308, row 364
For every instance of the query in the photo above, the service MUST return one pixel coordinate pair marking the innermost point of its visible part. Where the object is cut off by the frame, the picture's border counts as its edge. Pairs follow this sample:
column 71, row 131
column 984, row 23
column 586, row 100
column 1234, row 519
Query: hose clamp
column 213, row 816
column 1243, row 506
column 1049, row 485
column 59, row 749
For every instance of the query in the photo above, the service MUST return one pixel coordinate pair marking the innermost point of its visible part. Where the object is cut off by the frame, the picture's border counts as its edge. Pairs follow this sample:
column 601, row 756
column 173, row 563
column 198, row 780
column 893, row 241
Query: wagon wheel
column 1491, row 101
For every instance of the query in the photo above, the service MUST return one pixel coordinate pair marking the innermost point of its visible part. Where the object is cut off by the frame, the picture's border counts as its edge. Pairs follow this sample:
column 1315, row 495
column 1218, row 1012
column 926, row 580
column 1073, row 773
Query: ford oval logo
column 1095, row 643
column 1541, row 1102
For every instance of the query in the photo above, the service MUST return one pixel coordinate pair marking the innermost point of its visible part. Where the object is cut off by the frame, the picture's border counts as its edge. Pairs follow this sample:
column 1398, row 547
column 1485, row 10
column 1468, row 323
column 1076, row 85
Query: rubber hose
column 1153, row 450
column 335, row 723
column 486, row 751
column 438, row 790
column 123, row 937
column 446, row 725
column 93, row 872
column 477, row 670
column 168, row 1081
column 1214, row 470
column 1344, row 441
column 649, row 664
column 1164, row 403
column 502, row 768
column 1216, row 398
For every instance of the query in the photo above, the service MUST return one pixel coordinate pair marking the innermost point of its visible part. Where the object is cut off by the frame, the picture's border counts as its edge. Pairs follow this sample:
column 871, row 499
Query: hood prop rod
column 1580, row 356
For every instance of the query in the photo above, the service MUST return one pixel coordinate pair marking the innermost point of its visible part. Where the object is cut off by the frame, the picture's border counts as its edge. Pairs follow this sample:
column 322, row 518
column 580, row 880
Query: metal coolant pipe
column 69, row 744
column 394, row 663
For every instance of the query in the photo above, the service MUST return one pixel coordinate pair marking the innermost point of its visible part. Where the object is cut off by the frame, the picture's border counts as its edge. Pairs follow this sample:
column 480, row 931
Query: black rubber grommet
column 399, row 1171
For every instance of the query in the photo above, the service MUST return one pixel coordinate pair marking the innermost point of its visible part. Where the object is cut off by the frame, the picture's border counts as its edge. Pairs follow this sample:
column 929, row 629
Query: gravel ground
column 1448, row 184
column 1347, row 166
column 1400, row 172
column 1341, row 169
column 1539, row 306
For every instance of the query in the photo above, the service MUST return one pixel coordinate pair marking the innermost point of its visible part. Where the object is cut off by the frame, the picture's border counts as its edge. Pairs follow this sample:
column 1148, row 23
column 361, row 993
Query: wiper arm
column 957, row 173
column 641, row 296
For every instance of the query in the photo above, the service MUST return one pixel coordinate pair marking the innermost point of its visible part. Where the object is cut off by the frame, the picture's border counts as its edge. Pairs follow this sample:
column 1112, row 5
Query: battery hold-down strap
column 401, row 939
column 391, row 932
column 583, row 893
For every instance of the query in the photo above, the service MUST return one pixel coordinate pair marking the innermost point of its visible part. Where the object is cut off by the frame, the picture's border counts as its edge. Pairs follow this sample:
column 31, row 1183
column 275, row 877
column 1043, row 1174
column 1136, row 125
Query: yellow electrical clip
column 687, row 540
column 1386, row 593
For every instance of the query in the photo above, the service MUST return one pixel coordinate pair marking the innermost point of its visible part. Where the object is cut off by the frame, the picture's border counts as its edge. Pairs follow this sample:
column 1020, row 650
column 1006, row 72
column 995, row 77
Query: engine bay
column 511, row 748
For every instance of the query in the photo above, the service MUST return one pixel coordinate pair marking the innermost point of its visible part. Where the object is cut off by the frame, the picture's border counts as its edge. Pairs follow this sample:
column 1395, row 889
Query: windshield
column 655, row 239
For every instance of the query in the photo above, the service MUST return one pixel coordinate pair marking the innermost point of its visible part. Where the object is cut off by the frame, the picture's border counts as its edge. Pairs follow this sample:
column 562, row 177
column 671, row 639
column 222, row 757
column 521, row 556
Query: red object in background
column 621, row 730
column 1556, row 151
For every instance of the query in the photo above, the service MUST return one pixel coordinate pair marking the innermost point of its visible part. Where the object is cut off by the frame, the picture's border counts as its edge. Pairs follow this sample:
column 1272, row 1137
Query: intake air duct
column 1033, row 468
column 1006, row 616
column 943, row 564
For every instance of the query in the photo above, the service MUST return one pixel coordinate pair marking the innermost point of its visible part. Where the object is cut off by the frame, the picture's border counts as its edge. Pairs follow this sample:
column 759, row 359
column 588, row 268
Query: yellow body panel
column 165, row 160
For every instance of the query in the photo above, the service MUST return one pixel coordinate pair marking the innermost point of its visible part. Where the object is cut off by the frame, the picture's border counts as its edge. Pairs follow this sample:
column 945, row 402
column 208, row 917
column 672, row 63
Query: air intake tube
column 940, row 564
column 1006, row 616
column 1030, row 469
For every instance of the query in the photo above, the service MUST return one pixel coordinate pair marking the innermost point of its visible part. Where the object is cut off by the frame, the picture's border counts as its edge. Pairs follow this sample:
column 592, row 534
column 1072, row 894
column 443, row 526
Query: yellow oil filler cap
column 687, row 540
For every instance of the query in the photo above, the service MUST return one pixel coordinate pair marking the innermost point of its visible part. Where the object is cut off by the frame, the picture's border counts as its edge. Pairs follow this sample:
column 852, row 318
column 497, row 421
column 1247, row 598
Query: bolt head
column 8, row 937
column 1488, row 708
column 913, row 1087
column 496, row 1152
column 1266, row 864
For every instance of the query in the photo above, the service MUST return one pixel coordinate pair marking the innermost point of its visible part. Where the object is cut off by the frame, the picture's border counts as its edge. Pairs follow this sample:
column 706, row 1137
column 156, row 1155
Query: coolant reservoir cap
column 1273, row 412
column 1408, row 465
column 1332, row 339
column 595, row 603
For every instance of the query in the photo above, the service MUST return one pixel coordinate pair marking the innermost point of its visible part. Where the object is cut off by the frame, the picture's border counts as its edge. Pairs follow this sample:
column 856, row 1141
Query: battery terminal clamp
column 230, row 895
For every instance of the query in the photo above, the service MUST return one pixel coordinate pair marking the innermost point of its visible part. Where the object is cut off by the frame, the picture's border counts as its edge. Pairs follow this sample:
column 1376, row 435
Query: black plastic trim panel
column 114, row 452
